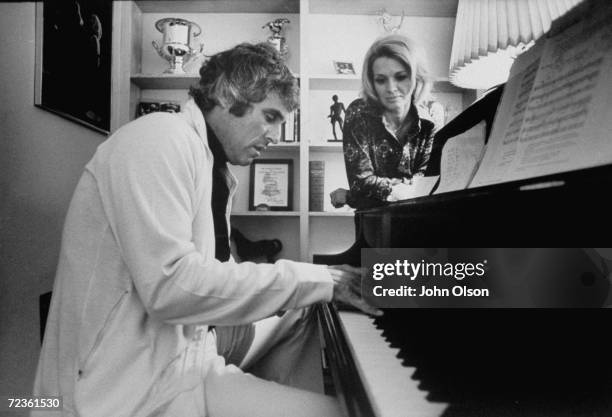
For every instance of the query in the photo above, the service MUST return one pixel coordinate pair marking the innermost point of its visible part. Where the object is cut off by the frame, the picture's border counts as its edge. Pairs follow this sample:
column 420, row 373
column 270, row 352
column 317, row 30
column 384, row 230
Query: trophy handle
column 194, row 55
column 197, row 31
column 159, row 50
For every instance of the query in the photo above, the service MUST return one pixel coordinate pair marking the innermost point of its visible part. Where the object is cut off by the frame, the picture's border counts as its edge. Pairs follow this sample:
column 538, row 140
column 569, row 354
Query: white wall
column 41, row 159
column 347, row 38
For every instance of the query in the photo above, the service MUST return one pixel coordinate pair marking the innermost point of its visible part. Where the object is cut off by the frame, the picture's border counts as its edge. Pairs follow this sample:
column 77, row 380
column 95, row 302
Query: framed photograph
column 344, row 67
column 73, row 60
column 271, row 186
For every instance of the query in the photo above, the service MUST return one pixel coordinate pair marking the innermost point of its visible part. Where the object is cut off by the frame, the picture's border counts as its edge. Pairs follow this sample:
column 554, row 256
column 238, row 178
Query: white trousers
column 282, row 358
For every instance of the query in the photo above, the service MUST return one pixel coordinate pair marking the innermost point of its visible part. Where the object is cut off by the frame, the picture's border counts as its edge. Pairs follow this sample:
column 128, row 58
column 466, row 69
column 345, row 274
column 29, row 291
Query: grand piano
column 482, row 362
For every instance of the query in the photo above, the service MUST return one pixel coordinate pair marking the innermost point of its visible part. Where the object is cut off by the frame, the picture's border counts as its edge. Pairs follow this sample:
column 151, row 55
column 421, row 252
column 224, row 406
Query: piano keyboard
column 451, row 363
column 389, row 385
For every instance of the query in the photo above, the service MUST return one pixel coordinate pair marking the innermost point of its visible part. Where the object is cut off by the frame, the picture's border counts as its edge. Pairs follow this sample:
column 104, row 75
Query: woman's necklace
column 393, row 123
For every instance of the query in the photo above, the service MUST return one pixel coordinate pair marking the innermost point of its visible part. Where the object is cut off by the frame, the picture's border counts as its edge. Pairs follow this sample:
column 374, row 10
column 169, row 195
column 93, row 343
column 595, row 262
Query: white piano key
column 389, row 385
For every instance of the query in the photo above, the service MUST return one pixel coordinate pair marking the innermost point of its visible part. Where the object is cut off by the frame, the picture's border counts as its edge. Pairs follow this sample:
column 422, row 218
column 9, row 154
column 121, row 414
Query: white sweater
column 137, row 280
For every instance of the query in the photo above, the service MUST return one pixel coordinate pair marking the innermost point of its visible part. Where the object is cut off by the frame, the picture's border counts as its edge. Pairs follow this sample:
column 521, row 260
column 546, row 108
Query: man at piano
column 386, row 142
column 145, row 274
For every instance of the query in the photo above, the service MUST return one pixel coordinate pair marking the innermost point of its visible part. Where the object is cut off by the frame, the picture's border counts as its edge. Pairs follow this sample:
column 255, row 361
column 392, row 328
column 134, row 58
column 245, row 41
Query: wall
column 41, row 159
column 347, row 38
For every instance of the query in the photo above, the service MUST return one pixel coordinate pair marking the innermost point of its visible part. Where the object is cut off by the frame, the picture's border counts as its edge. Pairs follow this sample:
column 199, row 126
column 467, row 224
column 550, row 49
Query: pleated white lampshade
column 489, row 34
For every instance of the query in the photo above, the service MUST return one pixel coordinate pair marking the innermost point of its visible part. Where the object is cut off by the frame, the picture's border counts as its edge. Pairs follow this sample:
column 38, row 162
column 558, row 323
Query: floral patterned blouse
column 374, row 156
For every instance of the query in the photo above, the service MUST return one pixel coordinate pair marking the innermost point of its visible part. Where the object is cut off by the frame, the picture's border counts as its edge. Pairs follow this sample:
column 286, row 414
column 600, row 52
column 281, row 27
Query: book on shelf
column 296, row 126
column 289, row 128
column 316, row 185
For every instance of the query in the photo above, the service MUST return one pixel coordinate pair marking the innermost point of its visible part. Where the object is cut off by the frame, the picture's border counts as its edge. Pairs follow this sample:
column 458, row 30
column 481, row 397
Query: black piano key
column 512, row 361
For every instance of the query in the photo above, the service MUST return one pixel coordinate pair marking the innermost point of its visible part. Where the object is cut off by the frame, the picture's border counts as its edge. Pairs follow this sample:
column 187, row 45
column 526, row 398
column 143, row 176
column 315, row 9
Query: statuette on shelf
column 386, row 21
column 277, row 39
column 176, row 47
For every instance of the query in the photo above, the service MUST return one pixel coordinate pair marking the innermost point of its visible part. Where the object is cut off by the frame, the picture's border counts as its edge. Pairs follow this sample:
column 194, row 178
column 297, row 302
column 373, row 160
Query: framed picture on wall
column 73, row 60
column 271, row 185
column 344, row 67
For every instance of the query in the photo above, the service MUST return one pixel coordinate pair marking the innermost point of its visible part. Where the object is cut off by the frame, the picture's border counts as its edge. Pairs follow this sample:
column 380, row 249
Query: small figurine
column 335, row 114
column 276, row 39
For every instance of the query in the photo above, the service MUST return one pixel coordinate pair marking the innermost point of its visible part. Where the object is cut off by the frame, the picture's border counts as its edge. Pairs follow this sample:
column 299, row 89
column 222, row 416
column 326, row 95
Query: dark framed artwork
column 73, row 60
column 271, row 185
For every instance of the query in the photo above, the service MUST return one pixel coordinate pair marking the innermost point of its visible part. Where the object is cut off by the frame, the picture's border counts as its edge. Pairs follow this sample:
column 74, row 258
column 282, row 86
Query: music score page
column 555, row 114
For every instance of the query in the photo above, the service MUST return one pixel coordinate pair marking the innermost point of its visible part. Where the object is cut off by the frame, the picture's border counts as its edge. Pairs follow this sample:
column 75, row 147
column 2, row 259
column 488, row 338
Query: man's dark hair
column 244, row 75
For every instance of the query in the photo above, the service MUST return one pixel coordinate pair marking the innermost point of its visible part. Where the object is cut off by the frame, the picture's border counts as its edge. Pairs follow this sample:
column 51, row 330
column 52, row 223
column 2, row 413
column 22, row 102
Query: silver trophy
column 385, row 20
column 176, row 44
column 276, row 39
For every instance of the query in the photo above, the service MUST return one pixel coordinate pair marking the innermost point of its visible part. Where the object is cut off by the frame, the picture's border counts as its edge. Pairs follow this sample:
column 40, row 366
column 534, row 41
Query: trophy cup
column 276, row 39
column 385, row 20
column 176, row 44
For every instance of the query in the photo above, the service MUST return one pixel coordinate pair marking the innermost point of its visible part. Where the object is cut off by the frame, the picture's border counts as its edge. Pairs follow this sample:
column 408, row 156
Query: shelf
column 317, row 82
column 353, row 83
column 293, row 213
column 331, row 147
column 284, row 146
column 335, row 77
column 266, row 213
column 215, row 6
column 165, row 82
column 340, row 82
column 227, row 22
column 331, row 213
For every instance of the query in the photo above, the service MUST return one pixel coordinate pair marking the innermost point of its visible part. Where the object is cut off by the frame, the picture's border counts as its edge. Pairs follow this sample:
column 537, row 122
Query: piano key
column 390, row 385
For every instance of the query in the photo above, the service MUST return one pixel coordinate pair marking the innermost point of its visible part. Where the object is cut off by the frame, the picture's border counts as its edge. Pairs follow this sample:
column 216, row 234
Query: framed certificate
column 271, row 186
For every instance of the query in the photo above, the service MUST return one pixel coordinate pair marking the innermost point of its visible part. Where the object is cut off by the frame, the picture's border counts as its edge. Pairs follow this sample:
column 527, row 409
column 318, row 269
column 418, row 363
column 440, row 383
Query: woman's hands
column 399, row 192
column 339, row 197
column 347, row 288
column 404, row 189
column 401, row 189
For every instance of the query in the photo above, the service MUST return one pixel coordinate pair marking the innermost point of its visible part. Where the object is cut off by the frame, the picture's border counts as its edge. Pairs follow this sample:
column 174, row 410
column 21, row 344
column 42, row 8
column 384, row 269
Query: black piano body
column 544, row 362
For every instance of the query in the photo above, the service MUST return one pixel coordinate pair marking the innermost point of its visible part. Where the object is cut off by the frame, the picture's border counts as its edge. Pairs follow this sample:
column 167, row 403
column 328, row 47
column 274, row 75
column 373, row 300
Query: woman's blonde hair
column 405, row 51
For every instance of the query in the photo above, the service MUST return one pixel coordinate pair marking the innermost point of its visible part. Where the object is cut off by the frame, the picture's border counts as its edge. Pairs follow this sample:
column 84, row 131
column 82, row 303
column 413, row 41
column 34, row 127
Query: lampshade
column 489, row 34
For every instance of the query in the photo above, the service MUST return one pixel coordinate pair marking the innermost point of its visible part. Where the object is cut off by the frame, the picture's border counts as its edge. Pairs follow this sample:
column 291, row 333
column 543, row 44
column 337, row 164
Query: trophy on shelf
column 276, row 39
column 176, row 44
column 385, row 20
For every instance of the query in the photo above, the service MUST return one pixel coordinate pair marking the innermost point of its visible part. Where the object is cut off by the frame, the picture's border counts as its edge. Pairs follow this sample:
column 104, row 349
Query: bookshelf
column 320, row 32
column 342, row 30
column 138, row 76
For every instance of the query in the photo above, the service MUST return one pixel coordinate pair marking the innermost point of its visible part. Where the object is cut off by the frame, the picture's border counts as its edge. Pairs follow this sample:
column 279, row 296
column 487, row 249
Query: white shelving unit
column 342, row 30
column 320, row 32
column 265, row 213
column 138, row 76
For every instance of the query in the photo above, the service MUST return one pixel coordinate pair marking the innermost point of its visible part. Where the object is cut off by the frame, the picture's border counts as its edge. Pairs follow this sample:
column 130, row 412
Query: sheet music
column 460, row 157
column 566, row 122
column 419, row 186
column 503, row 141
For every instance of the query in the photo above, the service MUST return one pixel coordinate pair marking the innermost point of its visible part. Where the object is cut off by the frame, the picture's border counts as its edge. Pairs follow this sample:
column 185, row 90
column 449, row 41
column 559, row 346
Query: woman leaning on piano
column 386, row 143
